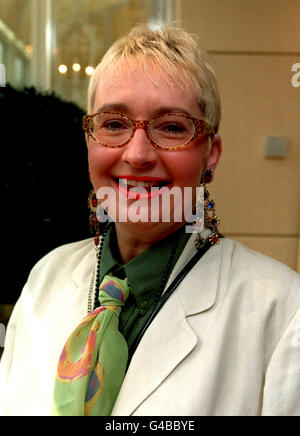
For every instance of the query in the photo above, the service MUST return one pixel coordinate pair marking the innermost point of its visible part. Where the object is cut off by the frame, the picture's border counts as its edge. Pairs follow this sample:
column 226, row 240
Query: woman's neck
column 132, row 243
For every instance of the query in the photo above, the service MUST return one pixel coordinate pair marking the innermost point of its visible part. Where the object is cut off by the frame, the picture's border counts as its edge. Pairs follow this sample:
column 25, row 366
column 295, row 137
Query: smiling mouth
column 130, row 183
column 139, row 185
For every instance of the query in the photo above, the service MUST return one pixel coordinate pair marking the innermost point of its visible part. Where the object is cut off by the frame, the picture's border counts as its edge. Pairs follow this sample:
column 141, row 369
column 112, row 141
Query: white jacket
column 227, row 342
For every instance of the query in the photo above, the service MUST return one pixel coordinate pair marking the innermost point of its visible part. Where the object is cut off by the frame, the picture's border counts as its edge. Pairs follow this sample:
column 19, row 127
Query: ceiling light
column 62, row 69
column 76, row 67
column 89, row 70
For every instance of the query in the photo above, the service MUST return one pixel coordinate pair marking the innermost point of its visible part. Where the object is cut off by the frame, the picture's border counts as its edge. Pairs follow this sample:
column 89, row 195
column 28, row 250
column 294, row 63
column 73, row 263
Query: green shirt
column 145, row 275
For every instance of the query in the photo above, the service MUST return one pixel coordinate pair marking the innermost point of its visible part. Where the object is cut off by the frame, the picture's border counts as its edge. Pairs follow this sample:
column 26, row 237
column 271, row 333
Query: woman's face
column 135, row 95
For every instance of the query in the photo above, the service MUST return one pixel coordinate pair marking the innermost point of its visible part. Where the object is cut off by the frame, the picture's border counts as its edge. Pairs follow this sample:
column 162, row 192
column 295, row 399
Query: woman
column 211, row 328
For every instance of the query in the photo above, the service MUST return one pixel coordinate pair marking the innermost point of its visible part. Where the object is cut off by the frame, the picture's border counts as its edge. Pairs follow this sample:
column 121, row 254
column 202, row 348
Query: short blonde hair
column 175, row 52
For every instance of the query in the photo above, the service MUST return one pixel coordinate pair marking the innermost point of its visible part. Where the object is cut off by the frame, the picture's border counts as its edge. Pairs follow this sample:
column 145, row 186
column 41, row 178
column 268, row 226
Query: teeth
column 138, row 183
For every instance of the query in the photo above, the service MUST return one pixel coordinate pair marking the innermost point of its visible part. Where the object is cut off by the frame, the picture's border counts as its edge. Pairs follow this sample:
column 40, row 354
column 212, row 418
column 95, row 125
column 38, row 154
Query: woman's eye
column 113, row 125
column 173, row 129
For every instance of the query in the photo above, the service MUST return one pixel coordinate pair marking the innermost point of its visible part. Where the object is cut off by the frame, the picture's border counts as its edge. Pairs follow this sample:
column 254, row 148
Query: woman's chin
column 149, row 230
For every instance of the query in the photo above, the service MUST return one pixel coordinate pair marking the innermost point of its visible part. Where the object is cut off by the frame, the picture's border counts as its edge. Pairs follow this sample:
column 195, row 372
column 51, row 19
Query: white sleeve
column 282, row 381
column 8, row 353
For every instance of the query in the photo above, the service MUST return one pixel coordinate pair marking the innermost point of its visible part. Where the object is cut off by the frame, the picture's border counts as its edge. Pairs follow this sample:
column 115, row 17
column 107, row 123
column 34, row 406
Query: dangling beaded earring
column 94, row 224
column 210, row 218
column 97, row 226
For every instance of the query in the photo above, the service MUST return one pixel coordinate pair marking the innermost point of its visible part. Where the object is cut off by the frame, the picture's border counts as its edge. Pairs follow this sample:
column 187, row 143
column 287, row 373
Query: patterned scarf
column 92, row 365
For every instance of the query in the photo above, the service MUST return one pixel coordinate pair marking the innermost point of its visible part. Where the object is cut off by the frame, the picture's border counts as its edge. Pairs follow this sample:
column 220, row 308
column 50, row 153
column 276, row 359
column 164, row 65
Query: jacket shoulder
column 64, row 258
column 256, row 264
column 246, row 273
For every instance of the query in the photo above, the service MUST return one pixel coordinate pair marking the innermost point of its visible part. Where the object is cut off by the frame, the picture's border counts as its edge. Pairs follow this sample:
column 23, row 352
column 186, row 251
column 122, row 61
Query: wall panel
column 244, row 25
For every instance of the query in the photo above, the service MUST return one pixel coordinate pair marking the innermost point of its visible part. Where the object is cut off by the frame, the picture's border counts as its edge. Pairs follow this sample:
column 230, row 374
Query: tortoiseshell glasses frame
column 200, row 127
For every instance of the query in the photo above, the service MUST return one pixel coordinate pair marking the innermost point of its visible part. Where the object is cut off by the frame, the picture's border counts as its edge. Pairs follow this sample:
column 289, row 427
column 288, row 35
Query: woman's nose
column 139, row 152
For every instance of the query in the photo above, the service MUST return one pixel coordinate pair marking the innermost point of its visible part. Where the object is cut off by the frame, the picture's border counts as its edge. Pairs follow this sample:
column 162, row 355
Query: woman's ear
column 214, row 154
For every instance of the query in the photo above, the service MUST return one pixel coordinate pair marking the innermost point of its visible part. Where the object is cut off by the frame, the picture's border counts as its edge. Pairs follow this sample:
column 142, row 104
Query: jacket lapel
column 86, row 264
column 166, row 342
column 169, row 338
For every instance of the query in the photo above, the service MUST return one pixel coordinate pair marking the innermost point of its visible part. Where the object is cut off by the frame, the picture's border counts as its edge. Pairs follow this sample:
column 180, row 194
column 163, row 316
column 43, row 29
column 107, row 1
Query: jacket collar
column 194, row 301
column 201, row 295
column 83, row 271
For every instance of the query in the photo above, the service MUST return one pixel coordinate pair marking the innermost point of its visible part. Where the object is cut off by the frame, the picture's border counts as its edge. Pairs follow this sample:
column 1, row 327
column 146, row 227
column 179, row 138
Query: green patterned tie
column 92, row 365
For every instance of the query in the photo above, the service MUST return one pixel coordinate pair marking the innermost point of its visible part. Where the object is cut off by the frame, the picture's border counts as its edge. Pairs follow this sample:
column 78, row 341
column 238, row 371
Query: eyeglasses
column 171, row 131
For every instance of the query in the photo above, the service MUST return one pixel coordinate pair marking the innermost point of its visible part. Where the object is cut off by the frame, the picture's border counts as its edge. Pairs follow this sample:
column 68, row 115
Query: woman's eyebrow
column 171, row 109
column 112, row 107
column 121, row 107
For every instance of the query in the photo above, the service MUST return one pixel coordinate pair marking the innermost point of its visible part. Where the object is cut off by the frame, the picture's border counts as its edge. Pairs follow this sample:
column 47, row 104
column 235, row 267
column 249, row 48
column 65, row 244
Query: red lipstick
column 142, row 178
column 133, row 193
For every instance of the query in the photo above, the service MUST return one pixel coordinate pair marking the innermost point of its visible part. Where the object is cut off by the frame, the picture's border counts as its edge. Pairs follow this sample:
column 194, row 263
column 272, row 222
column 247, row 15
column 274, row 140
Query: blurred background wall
column 52, row 46
column 253, row 46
